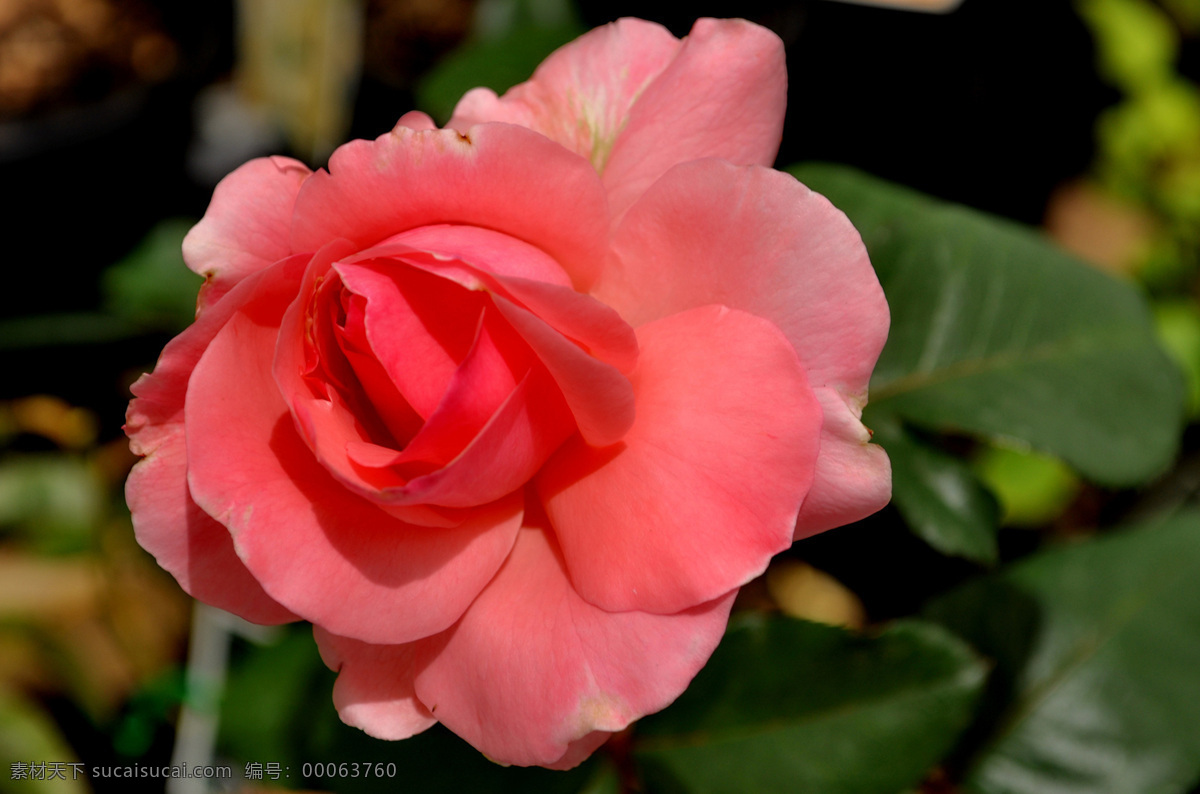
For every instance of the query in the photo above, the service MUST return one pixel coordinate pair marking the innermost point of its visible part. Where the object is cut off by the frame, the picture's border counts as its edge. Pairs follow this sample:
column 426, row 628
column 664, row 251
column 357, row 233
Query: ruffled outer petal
column 724, row 96
column 705, row 487
column 757, row 240
column 535, row 675
column 316, row 547
column 409, row 178
column 374, row 688
column 853, row 477
column 619, row 93
column 581, row 95
column 416, row 120
column 184, row 539
column 246, row 226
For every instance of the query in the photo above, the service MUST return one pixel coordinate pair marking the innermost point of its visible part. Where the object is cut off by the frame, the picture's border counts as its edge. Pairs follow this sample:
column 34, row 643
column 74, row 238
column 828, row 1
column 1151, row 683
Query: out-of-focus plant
column 1149, row 143
column 86, row 619
column 148, row 291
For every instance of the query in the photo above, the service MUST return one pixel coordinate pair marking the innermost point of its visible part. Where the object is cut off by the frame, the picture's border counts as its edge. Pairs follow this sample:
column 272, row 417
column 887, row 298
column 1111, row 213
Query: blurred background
column 118, row 117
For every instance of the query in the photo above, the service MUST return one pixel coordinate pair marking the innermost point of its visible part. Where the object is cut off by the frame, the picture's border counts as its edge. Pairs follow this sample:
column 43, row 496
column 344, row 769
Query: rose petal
column 593, row 326
column 706, row 485
column 723, row 96
column 419, row 326
column 519, row 416
column 597, row 392
column 757, row 240
column 185, row 541
column 326, row 402
column 315, row 547
column 533, row 674
column 581, row 95
column 490, row 372
column 635, row 101
column 416, row 120
column 374, row 688
column 853, row 477
column 378, row 389
column 492, row 252
column 188, row 543
column 589, row 323
column 512, row 446
column 247, row 224
column 598, row 395
column 407, row 179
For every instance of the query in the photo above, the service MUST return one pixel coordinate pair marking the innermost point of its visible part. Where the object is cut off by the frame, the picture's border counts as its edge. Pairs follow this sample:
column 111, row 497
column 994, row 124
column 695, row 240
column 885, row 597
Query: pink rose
column 510, row 410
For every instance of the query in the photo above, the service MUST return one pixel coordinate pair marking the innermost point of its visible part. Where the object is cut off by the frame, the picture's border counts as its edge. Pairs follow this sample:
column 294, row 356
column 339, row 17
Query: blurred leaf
column 997, row 333
column 28, row 736
column 512, row 40
column 1097, row 647
column 785, row 705
column 53, row 500
column 150, row 712
column 940, row 498
column 1136, row 41
column 152, row 287
column 263, row 697
column 1033, row 489
column 1186, row 13
column 1144, row 136
column 1178, row 323
column 47, row 330
column 606, row 780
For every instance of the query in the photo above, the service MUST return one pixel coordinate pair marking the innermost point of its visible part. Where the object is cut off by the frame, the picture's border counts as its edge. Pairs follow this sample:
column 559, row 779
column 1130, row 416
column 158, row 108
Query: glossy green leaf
column 1097, row 647
column 939, row 497
column 786, row 705
column 997, row 333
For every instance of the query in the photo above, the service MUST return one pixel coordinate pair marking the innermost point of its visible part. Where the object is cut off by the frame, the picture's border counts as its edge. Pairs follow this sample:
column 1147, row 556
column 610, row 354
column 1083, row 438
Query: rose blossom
column 510, row 410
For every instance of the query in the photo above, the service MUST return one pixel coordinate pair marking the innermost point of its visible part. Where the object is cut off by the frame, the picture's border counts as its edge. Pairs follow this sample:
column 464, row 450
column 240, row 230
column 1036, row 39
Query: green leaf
column 786, row 705
column 75, row 328
column 55, row 501
column 29, row 736
column 605, row 780
column 152, row 287
column 939, row 497
column 1032, row 489
column 1097, row 650
column 260, row 706
column 1178, row 323
column 997, row 333
column 1137, row 43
